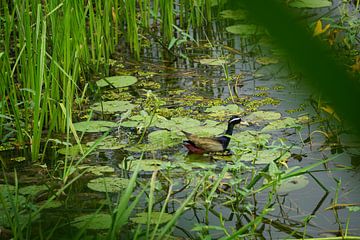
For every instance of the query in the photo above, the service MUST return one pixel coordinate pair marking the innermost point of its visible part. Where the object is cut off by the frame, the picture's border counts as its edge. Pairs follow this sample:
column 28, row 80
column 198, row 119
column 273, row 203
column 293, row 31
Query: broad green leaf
column 212, row 61
column 94, row 126
column 238, row 14
column 310, row 3
column 231, row 109
column 280, row 124
column 72, row 150
column 108, row 184
column 267, row 60
column 260, row 116
column 98, row 170
column 110, row 107
column 249, row 139
column 245, row 29
column 147, row 165
column 117, row 81
column 264, row 156
column 293, row 184
column 108, row 143
column 142, row 218
column 97, row 221
column 32, row 190
column 178, row 123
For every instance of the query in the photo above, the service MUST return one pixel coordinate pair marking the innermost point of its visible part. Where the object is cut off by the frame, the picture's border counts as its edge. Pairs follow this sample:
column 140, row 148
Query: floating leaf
column 231, row 109
column 110, row 107
column 72, row 150
column 141, row 120
column 142, row 218
column 33, row 190
column 98, row 170
column 212, row 61
column 310, row 3
column 147, row 165
column 108, row 143
column 261, row 116
column 178, row 123
column 108, row 184
column 267, row 60
column 280, row 124
column 249, row 139
column 97, row 221
column 206, row 131
column 238, row 14
column 160, row 139
column 245, row 29
column 117, row 81
column 94, row 126
column 293, row 184
column 264, row 156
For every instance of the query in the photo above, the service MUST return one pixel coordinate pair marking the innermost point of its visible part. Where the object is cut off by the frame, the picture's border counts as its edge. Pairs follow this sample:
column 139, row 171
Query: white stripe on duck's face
column 235, row 120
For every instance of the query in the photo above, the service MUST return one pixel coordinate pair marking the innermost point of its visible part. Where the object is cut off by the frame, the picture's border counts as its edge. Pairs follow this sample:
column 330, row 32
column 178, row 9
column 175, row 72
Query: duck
column 200, row 145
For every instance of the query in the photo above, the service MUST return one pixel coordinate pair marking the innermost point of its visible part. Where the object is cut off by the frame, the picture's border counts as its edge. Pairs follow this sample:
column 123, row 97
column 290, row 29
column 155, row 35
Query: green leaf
column 110, row 107
column 280, row 124
column 108, row 143
column 231, row 109
column 238, row 14
column 264, row 156
column 117, row 81
column 94, row 126
column 71, row 151
column 141, row 218
column 261, row 116
column 310, row 3
column 108, row 184
column 293, row 184
column 147, row 165
column 97, row 221
column 267, row 60
column 212, row 61
column 98, row 170
column 245, row 29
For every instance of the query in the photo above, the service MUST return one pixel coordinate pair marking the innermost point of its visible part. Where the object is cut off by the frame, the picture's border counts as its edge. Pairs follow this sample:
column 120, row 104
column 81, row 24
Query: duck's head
column 234, row 120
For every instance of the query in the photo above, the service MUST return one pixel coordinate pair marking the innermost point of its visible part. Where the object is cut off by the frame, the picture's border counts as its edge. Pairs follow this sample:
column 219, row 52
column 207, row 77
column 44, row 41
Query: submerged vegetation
column 94, row 97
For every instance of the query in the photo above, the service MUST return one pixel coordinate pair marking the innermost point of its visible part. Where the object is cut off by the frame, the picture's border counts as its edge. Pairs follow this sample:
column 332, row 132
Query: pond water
column 260, row 79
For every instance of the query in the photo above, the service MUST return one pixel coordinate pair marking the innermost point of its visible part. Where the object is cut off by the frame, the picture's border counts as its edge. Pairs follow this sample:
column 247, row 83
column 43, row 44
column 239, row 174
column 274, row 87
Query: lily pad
column 94, row 126
column 293, row 184
column 160, row 139
column 97, row 221
column 250, row 139
column 264, row 156
column 238, row 14
column 245, row 29
column 110, row 107
column 108, row 143
column 212, row 61
column 147, row 165
column 261, row 116
column 310, row 3
column 32, row 190
column 178, row 123
column 231, row 109
column 142, row 218
column 98, row 170
column 108, row 184
column 267, row 60
column 141, row 120
column 280, row 124
column 117, row 81
column 72, row 151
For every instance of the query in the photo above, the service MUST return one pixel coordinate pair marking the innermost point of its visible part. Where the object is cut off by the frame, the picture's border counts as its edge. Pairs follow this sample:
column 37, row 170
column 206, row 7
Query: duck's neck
column 230, row 129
